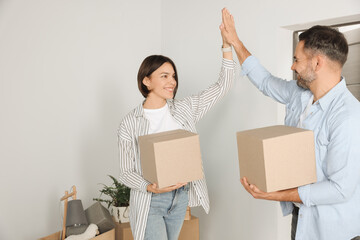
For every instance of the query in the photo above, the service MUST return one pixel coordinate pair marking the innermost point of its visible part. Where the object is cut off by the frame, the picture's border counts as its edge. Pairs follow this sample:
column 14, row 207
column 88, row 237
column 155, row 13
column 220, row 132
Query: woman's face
column 161, row 82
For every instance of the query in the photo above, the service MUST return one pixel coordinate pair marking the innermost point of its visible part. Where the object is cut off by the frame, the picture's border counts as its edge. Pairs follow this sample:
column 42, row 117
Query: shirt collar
column 326, row 100
column 139, row 110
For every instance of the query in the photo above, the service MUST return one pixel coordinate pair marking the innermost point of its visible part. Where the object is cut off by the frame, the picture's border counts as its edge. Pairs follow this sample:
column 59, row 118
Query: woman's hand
column 222, row 30
column 227, row 27
column 228, row 32
column 154, row 189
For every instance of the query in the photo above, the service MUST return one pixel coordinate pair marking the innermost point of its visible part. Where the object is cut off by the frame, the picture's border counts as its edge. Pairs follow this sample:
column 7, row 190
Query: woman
column 157, row 214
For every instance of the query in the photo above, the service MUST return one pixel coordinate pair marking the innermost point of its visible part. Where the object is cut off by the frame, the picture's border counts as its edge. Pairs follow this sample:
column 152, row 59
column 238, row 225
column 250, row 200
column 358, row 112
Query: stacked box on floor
column 189, row 230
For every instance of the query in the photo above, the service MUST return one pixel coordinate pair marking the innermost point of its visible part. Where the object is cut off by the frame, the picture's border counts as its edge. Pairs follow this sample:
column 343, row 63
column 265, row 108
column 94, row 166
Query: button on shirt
column 331, row 206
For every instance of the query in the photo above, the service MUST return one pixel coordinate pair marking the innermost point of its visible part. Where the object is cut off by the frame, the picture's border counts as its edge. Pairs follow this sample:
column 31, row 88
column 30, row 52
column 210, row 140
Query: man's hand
column 154, row 189
column 288, row 195
column 253, row 190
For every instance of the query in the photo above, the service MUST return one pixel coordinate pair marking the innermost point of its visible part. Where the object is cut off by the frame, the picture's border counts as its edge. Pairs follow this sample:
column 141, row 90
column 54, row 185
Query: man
column 319, row 101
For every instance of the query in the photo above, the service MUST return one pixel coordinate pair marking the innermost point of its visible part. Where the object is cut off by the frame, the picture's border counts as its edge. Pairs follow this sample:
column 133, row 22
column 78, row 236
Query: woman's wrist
column 225, row 45
column 227, row 51
column 149, row 188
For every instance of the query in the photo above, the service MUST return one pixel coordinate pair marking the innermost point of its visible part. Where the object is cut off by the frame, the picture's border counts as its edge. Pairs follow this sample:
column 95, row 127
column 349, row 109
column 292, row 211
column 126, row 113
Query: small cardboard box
column 123, row 231
column 277, row 157
column 189, row 230
column 171, row 157
column 109, row 235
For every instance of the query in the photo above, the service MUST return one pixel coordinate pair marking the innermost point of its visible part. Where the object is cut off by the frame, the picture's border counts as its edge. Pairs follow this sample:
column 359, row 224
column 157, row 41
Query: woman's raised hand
column 227, row 28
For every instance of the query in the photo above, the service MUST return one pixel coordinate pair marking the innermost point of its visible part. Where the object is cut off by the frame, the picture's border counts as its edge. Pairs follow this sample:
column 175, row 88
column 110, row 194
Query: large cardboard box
column 109, row 235
column 277, row 157
column 189, row 230
column 171, row 157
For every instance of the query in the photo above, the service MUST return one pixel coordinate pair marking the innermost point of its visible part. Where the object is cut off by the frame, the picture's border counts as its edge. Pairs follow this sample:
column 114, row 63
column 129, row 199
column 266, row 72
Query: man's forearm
column 241, row 51
column 289, row 195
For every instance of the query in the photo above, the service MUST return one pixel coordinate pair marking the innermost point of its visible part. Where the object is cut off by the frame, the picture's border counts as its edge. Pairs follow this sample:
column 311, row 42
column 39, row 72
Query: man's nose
column 293, row 67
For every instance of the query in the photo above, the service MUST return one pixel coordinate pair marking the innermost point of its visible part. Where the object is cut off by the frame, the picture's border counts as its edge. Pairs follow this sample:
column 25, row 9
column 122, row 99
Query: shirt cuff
column 228, row 63
column 248, row 65
column 144, row 185
column 304, row 194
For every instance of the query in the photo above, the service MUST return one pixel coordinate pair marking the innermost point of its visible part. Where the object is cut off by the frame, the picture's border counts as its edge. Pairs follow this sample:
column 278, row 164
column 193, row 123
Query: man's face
column 303, row 67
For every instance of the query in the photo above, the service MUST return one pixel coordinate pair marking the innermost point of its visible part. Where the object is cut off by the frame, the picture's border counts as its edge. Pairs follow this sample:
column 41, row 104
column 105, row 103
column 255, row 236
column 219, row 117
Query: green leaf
column 118, row 193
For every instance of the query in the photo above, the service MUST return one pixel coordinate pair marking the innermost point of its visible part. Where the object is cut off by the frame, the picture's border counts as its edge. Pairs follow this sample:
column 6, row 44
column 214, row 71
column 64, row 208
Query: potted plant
column 119, row 200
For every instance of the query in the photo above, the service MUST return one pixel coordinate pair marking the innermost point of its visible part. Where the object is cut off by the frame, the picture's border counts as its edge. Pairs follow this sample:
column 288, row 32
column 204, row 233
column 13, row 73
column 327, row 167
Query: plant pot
column 121, row 214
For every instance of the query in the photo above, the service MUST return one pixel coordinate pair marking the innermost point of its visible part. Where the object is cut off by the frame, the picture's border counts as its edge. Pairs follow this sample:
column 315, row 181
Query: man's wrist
column 237, row 44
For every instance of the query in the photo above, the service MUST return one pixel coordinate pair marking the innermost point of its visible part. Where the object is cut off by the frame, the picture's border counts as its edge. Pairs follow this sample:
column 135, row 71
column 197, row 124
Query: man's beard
column 305, row 78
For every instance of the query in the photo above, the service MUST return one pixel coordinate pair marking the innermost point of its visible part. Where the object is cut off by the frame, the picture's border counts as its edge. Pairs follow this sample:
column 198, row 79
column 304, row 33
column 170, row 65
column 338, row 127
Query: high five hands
column 229, row 35
column 227, row 28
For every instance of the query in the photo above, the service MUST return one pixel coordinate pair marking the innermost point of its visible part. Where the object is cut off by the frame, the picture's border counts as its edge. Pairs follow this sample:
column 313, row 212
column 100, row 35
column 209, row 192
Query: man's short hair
column 327, row 41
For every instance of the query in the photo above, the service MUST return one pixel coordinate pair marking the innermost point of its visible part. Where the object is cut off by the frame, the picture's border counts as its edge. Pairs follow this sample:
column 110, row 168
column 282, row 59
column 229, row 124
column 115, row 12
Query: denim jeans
column 166, row 214
column 295, row 216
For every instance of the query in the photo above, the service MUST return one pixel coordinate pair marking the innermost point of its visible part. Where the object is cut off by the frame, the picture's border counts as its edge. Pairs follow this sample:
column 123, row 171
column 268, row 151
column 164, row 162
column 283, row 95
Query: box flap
column 273, row 131
column 168, row 135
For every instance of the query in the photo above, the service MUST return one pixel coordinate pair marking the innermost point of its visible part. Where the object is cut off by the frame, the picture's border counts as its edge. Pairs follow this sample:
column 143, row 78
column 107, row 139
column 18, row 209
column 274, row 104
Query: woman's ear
column 147, row 82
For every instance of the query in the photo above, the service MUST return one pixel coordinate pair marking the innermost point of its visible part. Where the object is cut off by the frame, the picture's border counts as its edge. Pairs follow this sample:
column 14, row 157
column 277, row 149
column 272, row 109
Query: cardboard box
column 171, row 157
column 109, row 235
column 278, row 157
column 189, row 230
column 123, row 231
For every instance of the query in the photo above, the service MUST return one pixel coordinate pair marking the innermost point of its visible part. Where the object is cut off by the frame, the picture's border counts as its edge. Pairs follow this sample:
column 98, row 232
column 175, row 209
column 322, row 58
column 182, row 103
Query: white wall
column 191, row 37
column 68, row 75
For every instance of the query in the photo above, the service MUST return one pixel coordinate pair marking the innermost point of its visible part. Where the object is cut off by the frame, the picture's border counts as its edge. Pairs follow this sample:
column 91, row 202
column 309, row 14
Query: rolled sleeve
column 249, row 64
column 304, row 193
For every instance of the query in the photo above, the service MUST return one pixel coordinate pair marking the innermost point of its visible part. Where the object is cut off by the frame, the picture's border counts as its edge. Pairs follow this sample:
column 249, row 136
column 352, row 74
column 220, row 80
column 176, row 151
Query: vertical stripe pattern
column 187, row 112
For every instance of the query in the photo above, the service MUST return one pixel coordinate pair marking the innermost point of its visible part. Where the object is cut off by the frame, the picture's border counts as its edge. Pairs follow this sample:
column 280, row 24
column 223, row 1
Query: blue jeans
column 166, row 215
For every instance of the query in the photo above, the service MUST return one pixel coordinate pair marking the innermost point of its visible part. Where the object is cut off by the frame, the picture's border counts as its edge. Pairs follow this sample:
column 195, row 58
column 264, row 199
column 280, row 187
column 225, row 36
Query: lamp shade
column 75, row 214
